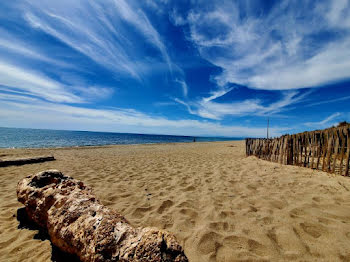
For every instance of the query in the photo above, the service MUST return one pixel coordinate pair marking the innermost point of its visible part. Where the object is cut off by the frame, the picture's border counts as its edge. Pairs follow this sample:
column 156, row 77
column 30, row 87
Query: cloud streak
column 277, row 50
column 208, row 108
column 329, row 101
column 183, row 86
column 99, row 30
column 33, row 83
column 15, row 45
column 327, row 122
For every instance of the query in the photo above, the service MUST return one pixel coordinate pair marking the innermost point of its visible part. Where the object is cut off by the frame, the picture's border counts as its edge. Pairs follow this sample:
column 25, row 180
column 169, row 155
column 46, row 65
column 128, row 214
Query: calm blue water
column 29, row 138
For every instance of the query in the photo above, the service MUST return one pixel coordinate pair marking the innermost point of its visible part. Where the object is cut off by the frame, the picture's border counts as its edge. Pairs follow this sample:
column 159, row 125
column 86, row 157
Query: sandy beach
column 221, row 205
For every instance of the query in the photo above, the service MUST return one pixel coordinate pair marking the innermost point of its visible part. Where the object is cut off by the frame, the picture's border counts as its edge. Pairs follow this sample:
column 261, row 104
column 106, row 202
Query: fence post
column 318, row 138
column 314, row 152
column 327, row 150
column 336, row 147
column 290, row 151
column 342, row 149
column 347, row 153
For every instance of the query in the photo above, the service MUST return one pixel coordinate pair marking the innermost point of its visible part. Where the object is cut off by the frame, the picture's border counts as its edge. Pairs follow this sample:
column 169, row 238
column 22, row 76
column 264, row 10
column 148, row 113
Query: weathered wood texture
column 24, row 161
column 327, row 150
column 78, row 223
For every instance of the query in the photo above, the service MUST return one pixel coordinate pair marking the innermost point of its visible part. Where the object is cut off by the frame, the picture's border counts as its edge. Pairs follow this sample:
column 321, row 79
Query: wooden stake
column 342, row 146
column 336, row 138
column 347, row 159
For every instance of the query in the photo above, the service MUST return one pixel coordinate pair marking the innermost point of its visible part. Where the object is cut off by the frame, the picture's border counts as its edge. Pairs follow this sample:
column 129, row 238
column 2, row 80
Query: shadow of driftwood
column 57, row 255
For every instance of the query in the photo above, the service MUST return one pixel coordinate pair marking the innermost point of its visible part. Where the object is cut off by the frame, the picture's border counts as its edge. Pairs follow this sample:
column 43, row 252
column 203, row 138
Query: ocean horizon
column 11, row 137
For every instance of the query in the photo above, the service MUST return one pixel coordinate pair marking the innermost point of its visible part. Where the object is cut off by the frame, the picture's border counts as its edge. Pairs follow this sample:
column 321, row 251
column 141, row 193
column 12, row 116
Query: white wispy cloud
column 327, row 122
column 99, row 50
column 93, row 92
column 207, row 108
column 140, row 20
column 17, row 98
column 338, row 13
column 100, row 31
column 11, row 45
column 328, row 101
column 273, row 51
column 183, row 85
column 40, row 114
column 20, row 79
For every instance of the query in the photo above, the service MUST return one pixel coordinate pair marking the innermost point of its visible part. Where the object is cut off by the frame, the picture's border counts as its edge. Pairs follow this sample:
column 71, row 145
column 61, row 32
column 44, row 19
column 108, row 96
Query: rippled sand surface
column 221, row 205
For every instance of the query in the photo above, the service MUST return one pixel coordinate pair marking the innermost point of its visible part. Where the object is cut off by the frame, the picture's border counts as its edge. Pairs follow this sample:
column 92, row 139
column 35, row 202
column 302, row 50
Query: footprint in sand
column 251, row 187
column 225, row 214
column 242, row 244
column 253, row 209
column 141, row 211
column 297, row 212
column 112, row 198
column 164, row 206
column 278, row 204
column 312, row 229
column 344, row 257
column 189, row 188
column 219, row 226
column 267, row 220
column 325, row 221
column 209, row 242
column 317, row 199
column 188, row 212
column 256, row 247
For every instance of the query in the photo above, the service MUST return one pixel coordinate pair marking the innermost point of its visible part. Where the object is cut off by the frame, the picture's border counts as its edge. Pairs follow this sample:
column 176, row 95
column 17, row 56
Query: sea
column 38, row 138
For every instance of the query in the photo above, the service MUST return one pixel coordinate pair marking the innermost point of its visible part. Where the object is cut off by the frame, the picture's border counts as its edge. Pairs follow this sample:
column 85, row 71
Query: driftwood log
column 24, row 161
column 79, row 224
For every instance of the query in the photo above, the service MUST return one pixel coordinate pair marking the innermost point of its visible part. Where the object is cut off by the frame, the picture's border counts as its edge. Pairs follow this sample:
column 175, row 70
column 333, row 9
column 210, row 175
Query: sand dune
column 221, row 205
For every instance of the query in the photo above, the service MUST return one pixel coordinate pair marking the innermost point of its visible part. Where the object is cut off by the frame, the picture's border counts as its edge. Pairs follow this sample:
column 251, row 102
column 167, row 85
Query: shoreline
column 112, row 145
column 46, row 138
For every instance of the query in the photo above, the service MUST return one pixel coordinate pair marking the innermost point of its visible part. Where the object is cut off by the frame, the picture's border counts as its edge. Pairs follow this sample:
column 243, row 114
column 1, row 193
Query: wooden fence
column 327, row 150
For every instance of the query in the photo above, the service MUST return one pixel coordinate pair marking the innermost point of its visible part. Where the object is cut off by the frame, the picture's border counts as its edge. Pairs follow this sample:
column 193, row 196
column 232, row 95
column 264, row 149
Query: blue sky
column 217, row 68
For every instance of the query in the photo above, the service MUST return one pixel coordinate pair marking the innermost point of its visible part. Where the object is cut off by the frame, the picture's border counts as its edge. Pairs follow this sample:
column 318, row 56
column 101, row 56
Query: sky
column 197, row 68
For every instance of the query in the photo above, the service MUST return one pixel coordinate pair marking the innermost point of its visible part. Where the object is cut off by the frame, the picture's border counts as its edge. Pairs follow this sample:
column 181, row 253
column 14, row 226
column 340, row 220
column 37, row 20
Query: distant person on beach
column 194, row 139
